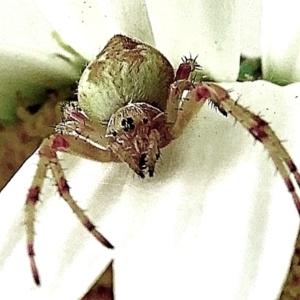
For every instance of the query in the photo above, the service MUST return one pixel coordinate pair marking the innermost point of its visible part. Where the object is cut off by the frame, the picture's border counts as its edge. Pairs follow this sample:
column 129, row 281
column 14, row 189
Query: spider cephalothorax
column 130, row 105
column 136, row 133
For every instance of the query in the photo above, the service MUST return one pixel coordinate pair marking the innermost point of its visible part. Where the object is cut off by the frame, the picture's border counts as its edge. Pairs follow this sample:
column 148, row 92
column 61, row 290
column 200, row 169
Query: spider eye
column 114, row 133
column 130, row 121
column 128, row 124
column 145, row 120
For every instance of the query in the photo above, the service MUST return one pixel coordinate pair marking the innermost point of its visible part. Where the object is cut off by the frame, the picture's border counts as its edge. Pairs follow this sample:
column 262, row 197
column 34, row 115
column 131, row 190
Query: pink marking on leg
column 59, row 143
column 63, row 187
column 258, row 130
column 260, row 122
column 258, row 133
column 91, row 227
column 291, row 166
column 296, row 201
column 183, row 71
column 217, row 92
column 34, row 270
column 202, row 93
column 78, row 116
column 291, row 189
column 295, row 172
column 289, row 185
column 33, row 195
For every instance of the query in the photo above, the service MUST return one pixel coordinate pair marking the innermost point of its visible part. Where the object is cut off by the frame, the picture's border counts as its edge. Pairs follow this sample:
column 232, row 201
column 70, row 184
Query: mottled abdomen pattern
column 125, row 70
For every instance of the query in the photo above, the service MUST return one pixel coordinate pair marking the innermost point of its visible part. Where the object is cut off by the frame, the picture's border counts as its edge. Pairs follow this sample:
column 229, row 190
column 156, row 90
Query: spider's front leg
column 177, row 117
column 258, row 127
column 83, row 147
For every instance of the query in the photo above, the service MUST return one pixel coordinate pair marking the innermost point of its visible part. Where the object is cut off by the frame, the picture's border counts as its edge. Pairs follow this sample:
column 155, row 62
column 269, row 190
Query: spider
column 131, row 104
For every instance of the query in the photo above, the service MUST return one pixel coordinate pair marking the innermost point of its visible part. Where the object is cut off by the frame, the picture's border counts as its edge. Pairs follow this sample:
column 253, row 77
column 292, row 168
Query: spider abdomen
column 125, row 71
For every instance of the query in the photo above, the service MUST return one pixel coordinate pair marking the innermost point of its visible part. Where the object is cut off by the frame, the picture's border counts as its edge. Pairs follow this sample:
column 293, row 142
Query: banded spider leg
column 220, row 98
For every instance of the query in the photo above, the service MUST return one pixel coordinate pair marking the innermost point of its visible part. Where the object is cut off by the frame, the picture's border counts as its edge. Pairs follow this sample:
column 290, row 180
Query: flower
column 214, row 223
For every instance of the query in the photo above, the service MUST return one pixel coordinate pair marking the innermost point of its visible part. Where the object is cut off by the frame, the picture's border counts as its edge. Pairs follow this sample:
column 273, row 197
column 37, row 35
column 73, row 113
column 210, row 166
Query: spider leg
column 30, row 213
column 186, row 111
column 183, row 81
column 77, row 124
column 258, row 128
column 175, row 95
column 49, row 160
column 262, row 132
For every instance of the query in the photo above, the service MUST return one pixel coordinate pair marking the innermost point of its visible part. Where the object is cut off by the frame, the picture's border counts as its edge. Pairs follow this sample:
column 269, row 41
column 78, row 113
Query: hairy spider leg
column 174, row 100
column 258, row 128
column 261, row 131
column 76, row 123
column 49, row 160
column 183, row 82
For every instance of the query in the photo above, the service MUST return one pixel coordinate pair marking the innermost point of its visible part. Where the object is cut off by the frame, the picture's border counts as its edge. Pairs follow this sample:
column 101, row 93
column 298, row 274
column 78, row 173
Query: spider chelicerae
column 131, row 104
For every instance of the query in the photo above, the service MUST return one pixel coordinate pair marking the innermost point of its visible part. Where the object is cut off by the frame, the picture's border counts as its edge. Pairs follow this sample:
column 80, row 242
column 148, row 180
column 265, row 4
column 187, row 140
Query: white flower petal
column 78, row 23
column 87, row 25
column 281, row 41
column 205, row 28
column 211, row 224
column 197, row 27
column 251, row 14
column 22, row 25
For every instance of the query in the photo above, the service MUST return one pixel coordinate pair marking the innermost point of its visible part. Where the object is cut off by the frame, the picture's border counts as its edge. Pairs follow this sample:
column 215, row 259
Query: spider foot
column 34, row 270
column 186, row 68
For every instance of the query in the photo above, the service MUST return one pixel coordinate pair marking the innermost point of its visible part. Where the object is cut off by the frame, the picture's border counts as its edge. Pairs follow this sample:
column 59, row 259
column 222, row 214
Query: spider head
column 134, row 134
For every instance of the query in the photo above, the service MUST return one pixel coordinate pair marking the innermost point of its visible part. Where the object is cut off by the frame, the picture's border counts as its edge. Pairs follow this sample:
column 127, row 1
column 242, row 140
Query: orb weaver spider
column 130, row 105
